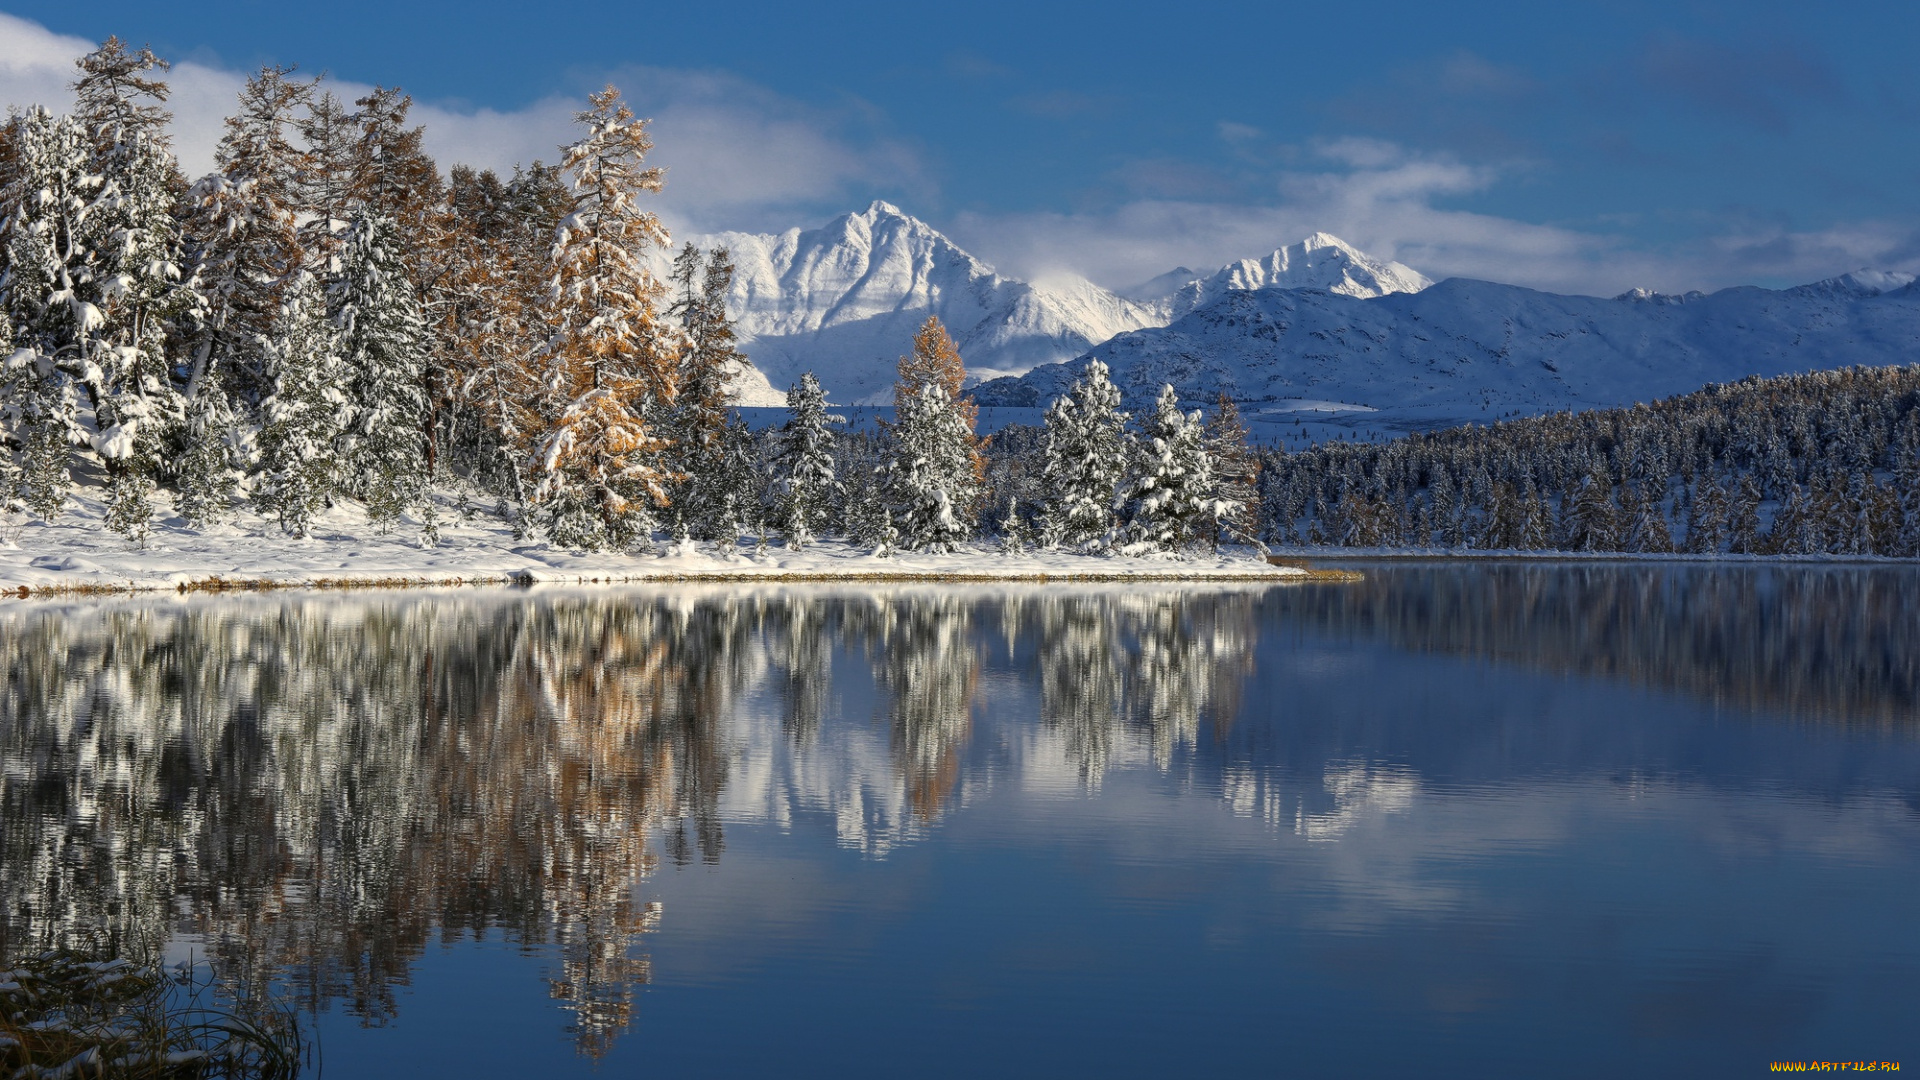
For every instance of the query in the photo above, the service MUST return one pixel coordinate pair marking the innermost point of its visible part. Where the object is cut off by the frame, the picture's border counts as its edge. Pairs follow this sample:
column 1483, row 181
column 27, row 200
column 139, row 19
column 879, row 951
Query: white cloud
column 739, row 156
column 1387, row 200
column 736, row 154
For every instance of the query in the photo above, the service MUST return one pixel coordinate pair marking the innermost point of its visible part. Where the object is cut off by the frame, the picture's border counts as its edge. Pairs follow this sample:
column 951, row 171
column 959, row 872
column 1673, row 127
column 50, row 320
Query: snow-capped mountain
column 844, row 301
column 1318, row 262
column 1476, row 351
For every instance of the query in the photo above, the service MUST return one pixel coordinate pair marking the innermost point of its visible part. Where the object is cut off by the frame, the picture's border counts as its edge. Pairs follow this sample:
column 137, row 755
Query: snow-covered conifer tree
column 1591, row 522
column 1743, row 518
column 209, row 470
column 242, row 230
column 1086, row 459
column 117, row 98
column 1236, row 471
column 391, row 174
column 805, row 482
column 327, row 187
column 933, row 483
column 1171, row 494
column 382, row 348
column 303, row 414
column 1707, row 516
column 609, row 362
column 1906, row 482
column 936, row 359
column 698, row 422
column 1790, row 532
column 50, row 294
column 1646, row 522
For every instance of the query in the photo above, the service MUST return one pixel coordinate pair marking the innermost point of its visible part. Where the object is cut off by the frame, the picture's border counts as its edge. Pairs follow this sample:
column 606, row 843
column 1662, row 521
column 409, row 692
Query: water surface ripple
column 1564, row 819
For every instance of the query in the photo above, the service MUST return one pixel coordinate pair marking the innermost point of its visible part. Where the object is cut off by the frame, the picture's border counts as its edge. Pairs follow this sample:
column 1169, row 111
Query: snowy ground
column 76, row 552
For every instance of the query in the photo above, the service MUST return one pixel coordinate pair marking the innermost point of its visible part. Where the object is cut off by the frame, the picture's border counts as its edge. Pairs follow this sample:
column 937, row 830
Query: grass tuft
column 73, row 1014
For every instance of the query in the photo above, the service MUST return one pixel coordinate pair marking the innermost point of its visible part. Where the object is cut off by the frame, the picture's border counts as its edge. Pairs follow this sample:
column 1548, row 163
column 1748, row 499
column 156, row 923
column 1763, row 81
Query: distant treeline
column 1827, row 462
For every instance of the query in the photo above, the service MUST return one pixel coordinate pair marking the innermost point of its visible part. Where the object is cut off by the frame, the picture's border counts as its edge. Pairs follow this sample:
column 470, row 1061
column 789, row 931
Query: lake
column 1570, row 819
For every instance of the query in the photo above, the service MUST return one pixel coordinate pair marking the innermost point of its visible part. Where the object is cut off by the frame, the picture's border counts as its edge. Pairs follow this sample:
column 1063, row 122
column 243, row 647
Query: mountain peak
column 1865, row 282
column 1321, row 261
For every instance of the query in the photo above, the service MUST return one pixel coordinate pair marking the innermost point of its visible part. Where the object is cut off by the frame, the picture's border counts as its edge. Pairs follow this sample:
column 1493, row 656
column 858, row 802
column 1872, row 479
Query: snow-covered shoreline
column 77, row 554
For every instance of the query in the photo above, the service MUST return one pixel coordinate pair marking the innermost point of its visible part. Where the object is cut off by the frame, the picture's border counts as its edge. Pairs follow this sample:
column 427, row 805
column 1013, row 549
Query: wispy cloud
column 740, row 156
column 737, row 154
column 1392, row 202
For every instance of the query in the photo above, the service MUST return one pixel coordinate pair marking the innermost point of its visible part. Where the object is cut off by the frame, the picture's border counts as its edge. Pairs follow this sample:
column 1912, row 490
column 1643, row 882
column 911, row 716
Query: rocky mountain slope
column 844, row 300
column 1476, row 351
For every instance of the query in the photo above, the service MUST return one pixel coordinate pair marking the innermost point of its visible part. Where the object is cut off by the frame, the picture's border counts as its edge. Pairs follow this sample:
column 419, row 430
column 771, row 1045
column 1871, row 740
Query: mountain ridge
column 843, row 300
column 1475, row 351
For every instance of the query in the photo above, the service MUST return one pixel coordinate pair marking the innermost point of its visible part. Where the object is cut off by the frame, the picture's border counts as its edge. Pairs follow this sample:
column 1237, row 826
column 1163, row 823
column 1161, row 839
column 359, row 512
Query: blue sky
column 1581, row 148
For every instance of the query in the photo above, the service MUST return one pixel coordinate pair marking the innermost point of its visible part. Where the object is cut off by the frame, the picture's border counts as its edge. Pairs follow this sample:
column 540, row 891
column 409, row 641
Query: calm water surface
column 1560, row 820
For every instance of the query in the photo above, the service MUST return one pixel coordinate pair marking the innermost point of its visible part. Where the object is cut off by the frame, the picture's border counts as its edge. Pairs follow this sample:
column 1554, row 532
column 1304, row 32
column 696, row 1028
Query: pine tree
column 209, row 470
column 1505, row 523
column 1170, row 494
column 609, row 361
column 806, row 484
column 1790, row 534
column 1086, row 459
column 1707, row 515
column 1449, row 530
column 50, row 295
column 933, row 483
column 1906, row 482
column 1646, row 522
column 1743, row 519
column 490, row 311
column 1236, row 471
column 699, row 420
column 1591, row 521
column 382, row 349
column 1536, row 527
column 391, row 175
column 328, row 185
column 934, row 471
column 143, row 300
column 935, row 359
column 118, row 101
column 243, row 233
column 298, row 470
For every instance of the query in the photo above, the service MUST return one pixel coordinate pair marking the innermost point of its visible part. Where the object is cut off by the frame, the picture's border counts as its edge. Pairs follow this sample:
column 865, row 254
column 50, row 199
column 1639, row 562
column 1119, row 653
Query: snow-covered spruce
column 299, row 468
column 1169, row 497
column 932, row 485
column 381, row 344
column 805, row 483
column 1087, row 456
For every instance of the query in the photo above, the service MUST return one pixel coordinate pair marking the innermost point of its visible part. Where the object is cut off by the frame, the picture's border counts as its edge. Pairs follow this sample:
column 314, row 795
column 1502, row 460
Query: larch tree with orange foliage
column 610, row 362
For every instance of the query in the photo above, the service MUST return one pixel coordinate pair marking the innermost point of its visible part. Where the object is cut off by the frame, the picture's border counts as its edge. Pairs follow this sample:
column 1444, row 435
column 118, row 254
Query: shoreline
column 1302, row 556
column 76, row 555
column 754, row 575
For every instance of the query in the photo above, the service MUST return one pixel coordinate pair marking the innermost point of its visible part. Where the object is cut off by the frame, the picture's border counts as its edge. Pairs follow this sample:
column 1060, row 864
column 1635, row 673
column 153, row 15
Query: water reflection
column 1822, row 643
column 314, row 789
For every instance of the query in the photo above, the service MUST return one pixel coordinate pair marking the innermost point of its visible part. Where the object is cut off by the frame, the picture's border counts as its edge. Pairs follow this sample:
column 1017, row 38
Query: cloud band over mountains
column 742, row 156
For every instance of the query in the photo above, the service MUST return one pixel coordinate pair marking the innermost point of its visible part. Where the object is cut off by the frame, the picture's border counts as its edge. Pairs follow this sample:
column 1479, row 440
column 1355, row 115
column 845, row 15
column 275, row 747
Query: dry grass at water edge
column 1316, row 573
column 70, row 1014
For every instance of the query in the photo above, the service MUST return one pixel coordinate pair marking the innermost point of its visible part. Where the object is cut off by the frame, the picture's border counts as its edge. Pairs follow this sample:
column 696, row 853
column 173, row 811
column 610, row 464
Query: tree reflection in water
column 312, row 788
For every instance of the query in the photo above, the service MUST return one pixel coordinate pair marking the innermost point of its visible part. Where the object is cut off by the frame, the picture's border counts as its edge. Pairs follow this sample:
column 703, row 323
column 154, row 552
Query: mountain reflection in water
column 312, row 789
